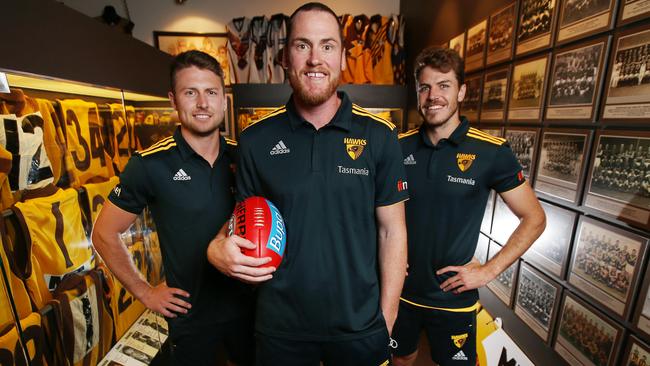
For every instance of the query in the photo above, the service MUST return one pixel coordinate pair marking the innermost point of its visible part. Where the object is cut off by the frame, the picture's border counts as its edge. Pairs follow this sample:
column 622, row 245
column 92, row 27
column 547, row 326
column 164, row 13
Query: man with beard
column 335, row 173
column 186, row 180
column 451, row 169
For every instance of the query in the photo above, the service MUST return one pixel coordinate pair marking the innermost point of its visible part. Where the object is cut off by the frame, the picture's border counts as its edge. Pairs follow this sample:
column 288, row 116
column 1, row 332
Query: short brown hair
column 195, row 58
column 314, row 6
column 443, row 59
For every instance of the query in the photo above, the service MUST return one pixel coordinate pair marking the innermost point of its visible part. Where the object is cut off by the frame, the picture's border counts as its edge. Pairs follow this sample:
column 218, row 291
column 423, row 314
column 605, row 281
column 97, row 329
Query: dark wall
column 47, row 38
column 434, row 22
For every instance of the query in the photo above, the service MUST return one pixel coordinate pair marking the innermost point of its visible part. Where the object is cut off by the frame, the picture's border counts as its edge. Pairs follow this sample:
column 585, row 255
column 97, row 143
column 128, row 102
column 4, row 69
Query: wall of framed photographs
column 568, row 84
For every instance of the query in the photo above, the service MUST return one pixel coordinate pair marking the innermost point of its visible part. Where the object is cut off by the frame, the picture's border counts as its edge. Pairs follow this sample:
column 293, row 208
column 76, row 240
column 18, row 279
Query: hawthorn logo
column 459, row 340
column 465, row 161
column 354, row 147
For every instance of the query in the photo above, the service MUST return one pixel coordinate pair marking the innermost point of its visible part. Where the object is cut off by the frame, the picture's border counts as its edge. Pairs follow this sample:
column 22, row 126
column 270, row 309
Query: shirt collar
column 342, row 118
column 186, row 150
column 455, row 138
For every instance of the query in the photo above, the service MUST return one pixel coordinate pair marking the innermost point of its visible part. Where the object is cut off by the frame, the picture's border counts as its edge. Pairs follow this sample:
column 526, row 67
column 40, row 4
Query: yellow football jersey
column 6, row 199
column 86, row 327
column 377, row 50
column 84, row 141
column 11, row 351
column 120, row 134
column 97, row 194
column 53, row 231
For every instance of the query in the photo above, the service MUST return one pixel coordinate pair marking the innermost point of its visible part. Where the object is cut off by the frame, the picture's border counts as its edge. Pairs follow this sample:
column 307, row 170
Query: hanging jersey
column 54, row 142
column 6, row 199
column 277, row 41
column 53, row 231
column 353, row 40
column 11, row 350
column 260, row 71
column 395, row 37
column 134, row 144
column 238, row 31
column 30, row 166
column 124, row 308
column 118, row 133
column 97, row 194
column 84, row 140
column 16, row 102
column 377, row 50
column 86, row 327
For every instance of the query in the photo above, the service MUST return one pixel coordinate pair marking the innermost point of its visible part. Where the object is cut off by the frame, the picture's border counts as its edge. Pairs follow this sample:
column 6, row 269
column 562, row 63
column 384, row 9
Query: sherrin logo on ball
column 259, row 221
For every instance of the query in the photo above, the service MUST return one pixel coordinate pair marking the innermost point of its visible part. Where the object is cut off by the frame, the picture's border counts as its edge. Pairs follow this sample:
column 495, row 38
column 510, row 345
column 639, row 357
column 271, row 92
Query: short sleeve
column 390, row 182
column 133, row 193
column 506, row 173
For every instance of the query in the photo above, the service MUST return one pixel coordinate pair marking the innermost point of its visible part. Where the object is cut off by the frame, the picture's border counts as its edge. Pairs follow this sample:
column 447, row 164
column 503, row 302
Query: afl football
column 259, row 221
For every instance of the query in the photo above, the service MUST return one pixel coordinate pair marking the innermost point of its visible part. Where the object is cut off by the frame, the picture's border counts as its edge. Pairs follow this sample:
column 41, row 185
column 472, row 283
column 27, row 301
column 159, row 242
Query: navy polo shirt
column 449, row 184
column 327, row 184
column 189, row 201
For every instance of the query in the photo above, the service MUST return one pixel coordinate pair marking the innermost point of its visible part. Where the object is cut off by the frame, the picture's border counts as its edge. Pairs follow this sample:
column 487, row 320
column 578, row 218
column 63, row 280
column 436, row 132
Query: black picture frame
column 582, row 19
column 562, row 164
column 606, row 264
column 637, row 352
column 471, row 107
column 536, row 25
column 528, row 89
column 537, row 301
column 494, row 99
column 606, row 193
column 524, row 142
column 632, row 11
column 501, row 35
column 550, row 252
column 576, row 80
column 579, row 318
column 476, row 46
column 626, row 95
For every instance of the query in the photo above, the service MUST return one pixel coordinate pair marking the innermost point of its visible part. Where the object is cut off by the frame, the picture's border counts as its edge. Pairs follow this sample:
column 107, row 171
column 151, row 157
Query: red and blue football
column 258, row 220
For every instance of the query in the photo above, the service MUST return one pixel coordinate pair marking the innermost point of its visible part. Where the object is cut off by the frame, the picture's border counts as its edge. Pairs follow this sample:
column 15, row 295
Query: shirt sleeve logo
column 465, row 161
column 354, row 147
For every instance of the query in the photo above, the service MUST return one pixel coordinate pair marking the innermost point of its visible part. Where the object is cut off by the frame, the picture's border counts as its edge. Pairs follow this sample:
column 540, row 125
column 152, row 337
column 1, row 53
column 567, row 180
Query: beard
column 311, row 98
column 439, row 118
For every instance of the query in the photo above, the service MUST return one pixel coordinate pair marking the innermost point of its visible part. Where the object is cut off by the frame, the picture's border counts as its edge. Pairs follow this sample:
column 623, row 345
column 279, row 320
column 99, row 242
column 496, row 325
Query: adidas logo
column 280, row 148
column 460, row 356
column 181, row 175
column 410, row 160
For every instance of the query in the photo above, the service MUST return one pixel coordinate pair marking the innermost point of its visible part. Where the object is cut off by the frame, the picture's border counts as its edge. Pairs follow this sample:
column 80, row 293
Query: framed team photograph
column 537, row 300
column 562, row 163
column 486, row 224
column 618, row 185
column 227, row 128
column 458, row 44
column 482, row 247
column 641, row 317
column 476, row 39
column 523, row 142
column 550, row 251
column 527, row 89
column 637, row 353
column 536, row 22
column 501, row 35
column 627, row 95
column 495, row 95
column 606, row 263
column 633, row 10
column 214, row 44
column 504, row 222
column 575, row 82
column 581, row 18
column 472, row 102
column 504, row 284
column 585, row 336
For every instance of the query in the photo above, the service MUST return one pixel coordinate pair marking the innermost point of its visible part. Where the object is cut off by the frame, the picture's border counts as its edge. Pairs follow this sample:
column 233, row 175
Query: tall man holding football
column 335, row 173
column 451, row 169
